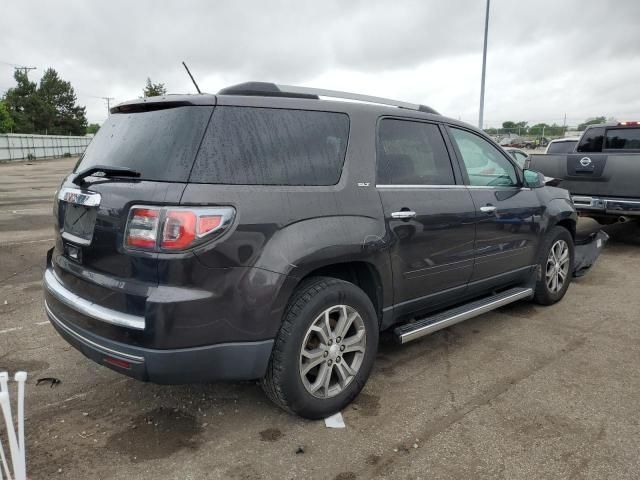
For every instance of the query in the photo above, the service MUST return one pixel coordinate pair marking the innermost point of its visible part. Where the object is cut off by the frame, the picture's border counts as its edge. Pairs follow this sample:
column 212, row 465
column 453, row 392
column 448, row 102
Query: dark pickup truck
column 602, row 173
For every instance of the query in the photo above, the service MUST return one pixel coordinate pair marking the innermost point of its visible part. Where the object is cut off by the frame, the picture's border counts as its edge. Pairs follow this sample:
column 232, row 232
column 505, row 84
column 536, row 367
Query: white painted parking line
column 8, row 244
column 44, row 208
column 9, row 330
column 46, row 322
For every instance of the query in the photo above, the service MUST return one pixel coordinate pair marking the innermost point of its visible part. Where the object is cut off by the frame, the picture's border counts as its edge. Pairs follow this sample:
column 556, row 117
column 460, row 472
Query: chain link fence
column 17, row 146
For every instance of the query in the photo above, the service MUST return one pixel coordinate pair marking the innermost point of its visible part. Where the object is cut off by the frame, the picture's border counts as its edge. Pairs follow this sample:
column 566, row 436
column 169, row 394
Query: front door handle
column 488, row 209
column 403, row 214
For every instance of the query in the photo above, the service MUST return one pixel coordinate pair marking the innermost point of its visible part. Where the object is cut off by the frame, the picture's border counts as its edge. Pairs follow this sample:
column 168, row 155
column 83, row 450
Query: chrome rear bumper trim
column 86, row 341
column 607, row 205
column 90, row 309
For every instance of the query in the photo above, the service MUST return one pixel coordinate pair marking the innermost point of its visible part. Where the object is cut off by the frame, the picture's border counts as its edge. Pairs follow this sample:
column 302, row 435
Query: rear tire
column 556, row 266
column 325, row 348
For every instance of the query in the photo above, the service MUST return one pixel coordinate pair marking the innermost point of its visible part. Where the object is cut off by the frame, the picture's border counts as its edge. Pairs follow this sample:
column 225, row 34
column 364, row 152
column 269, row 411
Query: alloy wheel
column 557, row 268
column 332, row 351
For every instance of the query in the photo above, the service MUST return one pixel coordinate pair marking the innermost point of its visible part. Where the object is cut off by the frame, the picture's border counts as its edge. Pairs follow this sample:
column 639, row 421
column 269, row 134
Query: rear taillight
column 142, row 227
column 175, row 229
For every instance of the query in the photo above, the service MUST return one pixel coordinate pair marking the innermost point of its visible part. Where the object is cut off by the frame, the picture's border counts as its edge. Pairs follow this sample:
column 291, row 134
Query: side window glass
column 412, row 153
column 485, row 165
column 591, row 140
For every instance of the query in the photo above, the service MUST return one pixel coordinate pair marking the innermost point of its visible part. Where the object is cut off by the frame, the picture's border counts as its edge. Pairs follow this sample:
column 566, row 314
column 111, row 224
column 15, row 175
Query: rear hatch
column 157, row 141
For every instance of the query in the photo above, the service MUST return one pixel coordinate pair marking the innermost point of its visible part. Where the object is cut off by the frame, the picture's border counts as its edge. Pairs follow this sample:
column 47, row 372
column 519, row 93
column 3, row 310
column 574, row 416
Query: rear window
column 562, row 147
column 266, row 146
column 623, row 139
column 591, row 140
column 160, row 144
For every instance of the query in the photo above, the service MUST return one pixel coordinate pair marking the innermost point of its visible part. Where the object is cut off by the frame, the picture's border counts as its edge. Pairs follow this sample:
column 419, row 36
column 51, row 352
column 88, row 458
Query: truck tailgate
column 599, row 174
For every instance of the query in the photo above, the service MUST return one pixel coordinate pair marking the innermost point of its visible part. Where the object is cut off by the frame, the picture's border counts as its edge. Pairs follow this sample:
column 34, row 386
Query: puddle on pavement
column 156, row 434
column 270, row 435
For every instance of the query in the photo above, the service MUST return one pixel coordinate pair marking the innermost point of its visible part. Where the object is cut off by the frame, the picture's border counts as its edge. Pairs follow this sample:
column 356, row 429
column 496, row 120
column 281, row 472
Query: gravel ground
column 522, row 392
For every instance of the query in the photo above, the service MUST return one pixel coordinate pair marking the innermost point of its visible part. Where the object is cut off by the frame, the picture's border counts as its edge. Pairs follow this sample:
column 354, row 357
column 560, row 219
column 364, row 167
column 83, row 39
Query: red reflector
column 208, row 223
column 117, row 362
column 179, row 229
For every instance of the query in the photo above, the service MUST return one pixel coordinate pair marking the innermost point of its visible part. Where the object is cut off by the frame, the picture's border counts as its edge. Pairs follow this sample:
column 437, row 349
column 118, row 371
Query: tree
column 515, row 127
column 6, row 122
column 22, row 103
column 591, row 121
column 49, row 107
column 543, row 129
column 60, row 115
column 93, row 128
column 154, row 89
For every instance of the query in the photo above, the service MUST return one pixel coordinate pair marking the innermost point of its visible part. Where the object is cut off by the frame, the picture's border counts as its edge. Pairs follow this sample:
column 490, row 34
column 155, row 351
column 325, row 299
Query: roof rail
column 266, row 89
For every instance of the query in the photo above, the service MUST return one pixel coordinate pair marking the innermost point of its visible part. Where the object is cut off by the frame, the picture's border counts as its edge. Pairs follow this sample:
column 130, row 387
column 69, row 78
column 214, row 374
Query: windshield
column 160, row 144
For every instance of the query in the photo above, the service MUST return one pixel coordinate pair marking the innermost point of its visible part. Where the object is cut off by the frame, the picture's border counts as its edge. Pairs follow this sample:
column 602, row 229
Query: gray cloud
column 545, row 59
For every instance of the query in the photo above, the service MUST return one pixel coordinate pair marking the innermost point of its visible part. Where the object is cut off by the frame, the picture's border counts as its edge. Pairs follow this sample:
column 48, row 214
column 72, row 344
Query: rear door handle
column 488, row 209
column 403, row 214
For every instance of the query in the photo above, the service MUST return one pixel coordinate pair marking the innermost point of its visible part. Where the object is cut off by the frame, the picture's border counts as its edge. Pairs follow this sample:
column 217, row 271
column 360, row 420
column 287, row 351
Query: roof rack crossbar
column 270, row 89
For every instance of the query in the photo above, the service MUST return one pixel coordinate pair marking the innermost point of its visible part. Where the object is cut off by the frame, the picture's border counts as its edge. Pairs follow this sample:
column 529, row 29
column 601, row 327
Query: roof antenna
column 191, row 76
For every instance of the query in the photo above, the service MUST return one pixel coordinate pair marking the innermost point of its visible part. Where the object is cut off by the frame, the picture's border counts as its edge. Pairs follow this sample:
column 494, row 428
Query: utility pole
column 108, row 100
column 22, row 69
column 484, row 66
column 564, row 125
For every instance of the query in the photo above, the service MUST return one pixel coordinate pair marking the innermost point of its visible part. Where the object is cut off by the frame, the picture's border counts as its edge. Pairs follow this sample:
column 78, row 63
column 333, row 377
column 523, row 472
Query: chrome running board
column 425, row 326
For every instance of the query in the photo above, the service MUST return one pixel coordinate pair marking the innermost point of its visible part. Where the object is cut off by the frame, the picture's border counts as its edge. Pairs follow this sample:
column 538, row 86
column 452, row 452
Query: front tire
column 556, row 266
column 324, row 350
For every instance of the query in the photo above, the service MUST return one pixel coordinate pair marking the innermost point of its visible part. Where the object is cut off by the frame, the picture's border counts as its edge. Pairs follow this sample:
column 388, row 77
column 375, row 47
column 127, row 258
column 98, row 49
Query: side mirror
column 533, row 179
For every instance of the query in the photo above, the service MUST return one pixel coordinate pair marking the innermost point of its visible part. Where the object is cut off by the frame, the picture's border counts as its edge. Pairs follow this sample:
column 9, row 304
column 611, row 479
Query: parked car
column 518, row 155
column 602, row 172
column 562, row 145
column 268, row 233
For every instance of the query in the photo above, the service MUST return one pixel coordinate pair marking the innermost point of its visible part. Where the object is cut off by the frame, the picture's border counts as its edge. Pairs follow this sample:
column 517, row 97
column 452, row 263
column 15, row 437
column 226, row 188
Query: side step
column 425, row 326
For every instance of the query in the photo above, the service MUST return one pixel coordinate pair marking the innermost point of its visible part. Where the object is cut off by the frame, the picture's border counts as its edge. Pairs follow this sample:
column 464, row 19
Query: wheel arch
column 363, row 274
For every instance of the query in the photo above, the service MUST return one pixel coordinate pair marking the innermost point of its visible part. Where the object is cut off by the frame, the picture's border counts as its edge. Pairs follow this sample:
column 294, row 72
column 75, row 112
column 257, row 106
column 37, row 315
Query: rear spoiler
column 149, row 104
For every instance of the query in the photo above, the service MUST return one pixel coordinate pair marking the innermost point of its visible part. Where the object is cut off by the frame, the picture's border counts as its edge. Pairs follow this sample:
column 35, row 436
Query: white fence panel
column 17, row 146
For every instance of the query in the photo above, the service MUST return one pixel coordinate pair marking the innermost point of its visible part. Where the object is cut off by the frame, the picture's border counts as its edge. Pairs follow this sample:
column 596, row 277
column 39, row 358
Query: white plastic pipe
column 4, row 463
column 21, row 378
column 5, row 404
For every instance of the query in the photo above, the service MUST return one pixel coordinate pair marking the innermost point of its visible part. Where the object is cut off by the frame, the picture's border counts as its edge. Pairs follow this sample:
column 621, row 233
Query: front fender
column 560, row 210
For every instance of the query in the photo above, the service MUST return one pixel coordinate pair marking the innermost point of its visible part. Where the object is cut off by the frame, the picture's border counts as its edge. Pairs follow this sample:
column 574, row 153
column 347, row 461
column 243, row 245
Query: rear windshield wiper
column 105, row 171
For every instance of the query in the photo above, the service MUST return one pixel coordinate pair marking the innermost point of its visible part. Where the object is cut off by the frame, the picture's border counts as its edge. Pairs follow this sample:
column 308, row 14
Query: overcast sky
column 546, row 58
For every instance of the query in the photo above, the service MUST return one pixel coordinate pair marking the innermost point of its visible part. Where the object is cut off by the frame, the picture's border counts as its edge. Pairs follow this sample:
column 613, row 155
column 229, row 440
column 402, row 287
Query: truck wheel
column 556, row 266
column 325, row 349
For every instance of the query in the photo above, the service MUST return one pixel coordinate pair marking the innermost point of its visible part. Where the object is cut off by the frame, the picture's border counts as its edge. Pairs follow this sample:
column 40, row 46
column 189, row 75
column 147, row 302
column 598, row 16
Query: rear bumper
column 607, row 206
column 587, row 251
column 223, row 362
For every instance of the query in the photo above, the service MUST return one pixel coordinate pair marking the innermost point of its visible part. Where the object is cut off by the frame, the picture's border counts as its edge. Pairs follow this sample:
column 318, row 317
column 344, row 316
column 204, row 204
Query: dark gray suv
column 269, row 233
